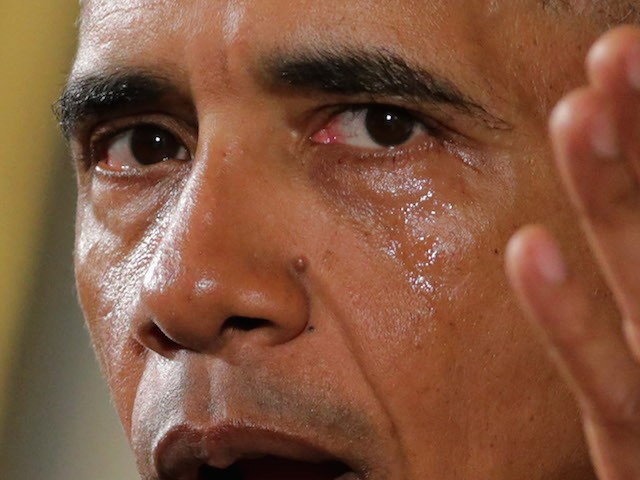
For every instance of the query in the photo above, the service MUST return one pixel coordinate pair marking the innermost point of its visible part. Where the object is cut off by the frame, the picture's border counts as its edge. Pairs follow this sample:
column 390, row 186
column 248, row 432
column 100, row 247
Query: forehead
column 225, row 20
column 501, row 51
column 463, row 33
column 364, row 20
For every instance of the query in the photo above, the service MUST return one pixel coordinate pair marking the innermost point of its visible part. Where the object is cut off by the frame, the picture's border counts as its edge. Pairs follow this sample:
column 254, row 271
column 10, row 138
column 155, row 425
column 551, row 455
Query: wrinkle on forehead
column 96, row 11
column 474, row 32
column 87, row 6
column 609, row 13
column 99, row 10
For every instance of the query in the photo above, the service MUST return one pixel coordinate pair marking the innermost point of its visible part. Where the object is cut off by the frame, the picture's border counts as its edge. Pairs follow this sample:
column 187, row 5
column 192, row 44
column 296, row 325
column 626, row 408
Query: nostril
column 245, row 324
column 152, row 337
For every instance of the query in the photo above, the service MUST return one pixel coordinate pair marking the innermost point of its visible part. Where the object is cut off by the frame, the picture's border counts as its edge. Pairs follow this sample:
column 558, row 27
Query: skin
column 389, row 335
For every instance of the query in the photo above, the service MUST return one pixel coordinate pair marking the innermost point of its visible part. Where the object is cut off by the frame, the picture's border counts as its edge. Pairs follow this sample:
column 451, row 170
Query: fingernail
column 550, row 263
column 604, row 136
column 633, row 66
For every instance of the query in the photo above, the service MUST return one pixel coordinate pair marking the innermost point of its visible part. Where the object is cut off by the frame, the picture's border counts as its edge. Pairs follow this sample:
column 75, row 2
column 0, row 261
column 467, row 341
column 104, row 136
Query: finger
column 614, row 450
column 588, row 347
column 613, row 67
column 605, row 189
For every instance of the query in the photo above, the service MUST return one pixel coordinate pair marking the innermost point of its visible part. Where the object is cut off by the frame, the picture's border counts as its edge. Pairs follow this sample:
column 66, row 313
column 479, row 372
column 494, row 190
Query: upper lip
column 183, row 450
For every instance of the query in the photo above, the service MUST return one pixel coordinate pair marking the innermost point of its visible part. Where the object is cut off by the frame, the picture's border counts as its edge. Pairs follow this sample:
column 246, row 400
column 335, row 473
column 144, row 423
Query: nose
column 224, row 273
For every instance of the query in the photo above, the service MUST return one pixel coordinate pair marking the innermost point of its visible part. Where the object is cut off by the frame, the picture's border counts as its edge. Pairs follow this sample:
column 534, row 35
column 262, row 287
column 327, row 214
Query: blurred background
column 56, row 420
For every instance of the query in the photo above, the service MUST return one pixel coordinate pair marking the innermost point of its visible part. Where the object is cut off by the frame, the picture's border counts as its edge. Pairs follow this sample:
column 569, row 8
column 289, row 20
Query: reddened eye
column 142, row 146
column 371, row 127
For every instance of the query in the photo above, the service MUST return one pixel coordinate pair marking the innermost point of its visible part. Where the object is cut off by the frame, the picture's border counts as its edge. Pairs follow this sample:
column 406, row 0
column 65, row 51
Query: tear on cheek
column 93, row 241
column 420, row 260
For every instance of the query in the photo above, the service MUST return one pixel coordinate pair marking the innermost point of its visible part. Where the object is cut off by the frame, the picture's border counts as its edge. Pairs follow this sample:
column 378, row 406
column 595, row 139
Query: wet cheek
column 412, row 223
column 127, row 208
column 435, row 230
column 417, row 215
column 108, row 280
column 425, row 234
column 455, row 225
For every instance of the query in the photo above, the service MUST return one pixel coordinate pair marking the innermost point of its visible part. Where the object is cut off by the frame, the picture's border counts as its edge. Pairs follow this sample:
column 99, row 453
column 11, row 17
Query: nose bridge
column 221, row 272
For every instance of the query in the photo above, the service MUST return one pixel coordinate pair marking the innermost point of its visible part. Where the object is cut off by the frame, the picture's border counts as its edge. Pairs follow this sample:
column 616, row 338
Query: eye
column 371, row 127
column 141, row 146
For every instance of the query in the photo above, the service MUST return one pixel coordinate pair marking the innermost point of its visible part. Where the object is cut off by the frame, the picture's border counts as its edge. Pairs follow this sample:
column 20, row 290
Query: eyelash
column 437, row 136
column 98, row 139
column 428, row 123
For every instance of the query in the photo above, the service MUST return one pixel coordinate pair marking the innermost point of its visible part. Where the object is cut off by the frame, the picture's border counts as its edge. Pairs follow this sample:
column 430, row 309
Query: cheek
column 439, row 316
column 431, row 213
column 431, row 358
column 108, row 281
column 431, row 266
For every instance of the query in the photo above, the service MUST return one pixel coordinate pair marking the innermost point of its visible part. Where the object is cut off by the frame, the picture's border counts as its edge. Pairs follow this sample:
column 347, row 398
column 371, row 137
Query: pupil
column 151, row 145
column 389, row 127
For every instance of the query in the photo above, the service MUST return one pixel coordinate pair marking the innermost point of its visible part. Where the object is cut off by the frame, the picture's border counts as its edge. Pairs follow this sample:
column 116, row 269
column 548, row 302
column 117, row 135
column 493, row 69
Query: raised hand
column 596, row 136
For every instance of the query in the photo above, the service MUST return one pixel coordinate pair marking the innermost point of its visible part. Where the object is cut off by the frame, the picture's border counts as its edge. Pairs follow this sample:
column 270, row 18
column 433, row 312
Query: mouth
column 247, row 453
column 275, row 468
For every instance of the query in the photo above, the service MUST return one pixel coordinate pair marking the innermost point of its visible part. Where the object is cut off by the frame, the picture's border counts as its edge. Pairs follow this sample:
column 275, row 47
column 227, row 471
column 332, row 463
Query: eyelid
column 431, row 127
column 98, row 140
column 426, row 119
column 439, row 135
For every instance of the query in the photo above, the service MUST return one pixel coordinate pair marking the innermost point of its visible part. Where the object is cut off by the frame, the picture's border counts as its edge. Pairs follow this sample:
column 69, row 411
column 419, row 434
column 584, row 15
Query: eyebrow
column 102, row 94
column 345, row 73
column 372, row 73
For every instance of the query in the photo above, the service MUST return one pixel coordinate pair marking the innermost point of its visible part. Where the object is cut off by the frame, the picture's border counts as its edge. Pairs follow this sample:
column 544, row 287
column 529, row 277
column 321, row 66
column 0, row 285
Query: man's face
column 291, row 223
